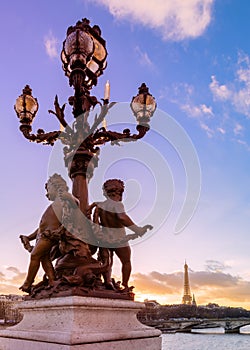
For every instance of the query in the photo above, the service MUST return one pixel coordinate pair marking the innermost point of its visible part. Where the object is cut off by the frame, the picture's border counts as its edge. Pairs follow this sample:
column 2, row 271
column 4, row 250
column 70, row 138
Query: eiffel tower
column 187, row 298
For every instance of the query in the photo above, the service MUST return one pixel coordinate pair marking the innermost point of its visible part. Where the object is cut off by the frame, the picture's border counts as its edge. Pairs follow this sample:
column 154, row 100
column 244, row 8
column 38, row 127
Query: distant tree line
column 154, row 311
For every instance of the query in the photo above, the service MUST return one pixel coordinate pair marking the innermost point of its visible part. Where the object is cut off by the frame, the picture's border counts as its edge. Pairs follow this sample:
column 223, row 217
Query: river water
column 189, row 341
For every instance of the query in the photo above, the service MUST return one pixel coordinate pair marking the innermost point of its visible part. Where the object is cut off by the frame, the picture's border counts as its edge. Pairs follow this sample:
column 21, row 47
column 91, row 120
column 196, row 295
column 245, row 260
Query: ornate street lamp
column 143, row 105
column 26, row 106
column 84, row 60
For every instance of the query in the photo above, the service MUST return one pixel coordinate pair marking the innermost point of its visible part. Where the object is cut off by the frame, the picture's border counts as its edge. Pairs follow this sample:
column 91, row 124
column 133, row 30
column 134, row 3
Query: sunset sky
column 195, row 57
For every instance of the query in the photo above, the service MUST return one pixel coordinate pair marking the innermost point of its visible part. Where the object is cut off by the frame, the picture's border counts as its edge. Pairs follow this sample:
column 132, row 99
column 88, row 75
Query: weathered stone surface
column 145, row 344
column 80, row 323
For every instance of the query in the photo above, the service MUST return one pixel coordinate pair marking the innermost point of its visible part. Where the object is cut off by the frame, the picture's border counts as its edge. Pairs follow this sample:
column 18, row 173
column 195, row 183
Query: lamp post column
column 81, row 160
column 81, row 168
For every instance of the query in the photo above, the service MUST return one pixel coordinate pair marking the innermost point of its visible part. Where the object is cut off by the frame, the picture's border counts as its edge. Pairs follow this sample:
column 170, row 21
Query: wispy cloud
column 143, row 58
column 175, row 20
column 229, row 101
column 182, row 94
column 197, row 110
column 201, row 113
column 11, row 279
column 18, row 276
column 51, row 43
column 235, row 92
column 222, row 131
column 205, row 127
column 244, row 144
column 2, row 277
column 215, row 266
column 220, row 92
column 238, row 129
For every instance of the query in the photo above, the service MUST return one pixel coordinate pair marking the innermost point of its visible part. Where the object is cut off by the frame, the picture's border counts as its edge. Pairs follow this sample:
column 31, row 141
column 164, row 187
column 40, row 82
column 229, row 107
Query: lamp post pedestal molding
column 78, row 323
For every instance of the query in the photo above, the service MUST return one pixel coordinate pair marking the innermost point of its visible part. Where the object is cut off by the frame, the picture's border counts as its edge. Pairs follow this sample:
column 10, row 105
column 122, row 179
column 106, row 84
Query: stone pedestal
column 80, row 323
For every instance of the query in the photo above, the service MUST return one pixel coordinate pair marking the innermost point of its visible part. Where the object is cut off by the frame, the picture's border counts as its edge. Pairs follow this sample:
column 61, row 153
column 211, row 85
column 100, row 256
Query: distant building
column 9, row 314
column 151, row 303
column 187, row 298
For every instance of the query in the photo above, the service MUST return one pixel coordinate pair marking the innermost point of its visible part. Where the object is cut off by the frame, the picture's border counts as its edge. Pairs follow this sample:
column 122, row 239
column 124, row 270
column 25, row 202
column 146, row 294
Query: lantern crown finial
column 143, row 89
column 27, row 90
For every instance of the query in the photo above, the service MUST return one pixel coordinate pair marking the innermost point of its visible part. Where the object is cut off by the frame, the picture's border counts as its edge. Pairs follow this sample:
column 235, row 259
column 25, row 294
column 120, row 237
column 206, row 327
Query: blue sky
column 195, row 57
